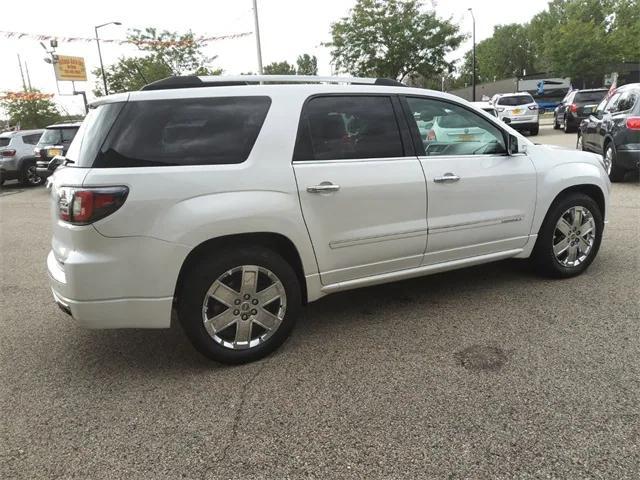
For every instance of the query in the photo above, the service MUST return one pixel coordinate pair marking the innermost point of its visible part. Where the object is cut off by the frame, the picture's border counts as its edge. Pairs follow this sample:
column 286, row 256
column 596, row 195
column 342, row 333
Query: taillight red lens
column 8, row 153
column 82, row 206
column 633, row 123
column 573, row 107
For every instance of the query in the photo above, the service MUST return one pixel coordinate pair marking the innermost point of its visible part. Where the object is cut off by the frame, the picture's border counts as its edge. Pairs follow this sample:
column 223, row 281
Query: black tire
column 568, row 128
column 28, row 176
column 556, row 125
column 201, row 276
column 543, row 257
column 534, row 131
column 617, row 173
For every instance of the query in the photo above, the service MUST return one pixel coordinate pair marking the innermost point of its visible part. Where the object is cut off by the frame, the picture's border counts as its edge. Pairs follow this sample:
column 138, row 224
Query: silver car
column 520, row 109
column 16, row 157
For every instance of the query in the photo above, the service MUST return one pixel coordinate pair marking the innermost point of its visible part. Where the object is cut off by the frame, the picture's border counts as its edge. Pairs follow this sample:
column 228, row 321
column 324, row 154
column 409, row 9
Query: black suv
column 54, row 141
column 575, row 107
column 613, row 131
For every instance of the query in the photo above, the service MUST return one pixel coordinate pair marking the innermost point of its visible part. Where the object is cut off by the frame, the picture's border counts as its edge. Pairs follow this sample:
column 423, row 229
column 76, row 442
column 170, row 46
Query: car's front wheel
column 570, row 236
column 238, row 305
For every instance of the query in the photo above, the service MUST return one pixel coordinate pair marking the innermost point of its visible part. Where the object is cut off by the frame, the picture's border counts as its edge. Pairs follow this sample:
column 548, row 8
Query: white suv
column 519, row 110
column 237, row 202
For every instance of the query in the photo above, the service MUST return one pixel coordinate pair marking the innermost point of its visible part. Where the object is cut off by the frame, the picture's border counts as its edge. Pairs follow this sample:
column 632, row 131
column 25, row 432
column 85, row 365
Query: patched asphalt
column 489, row 372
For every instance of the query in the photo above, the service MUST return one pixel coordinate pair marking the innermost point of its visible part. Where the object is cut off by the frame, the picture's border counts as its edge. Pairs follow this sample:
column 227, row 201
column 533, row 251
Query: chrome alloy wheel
column 244, row 307
column 32, row 177
column 608, row 160
column 574, row 236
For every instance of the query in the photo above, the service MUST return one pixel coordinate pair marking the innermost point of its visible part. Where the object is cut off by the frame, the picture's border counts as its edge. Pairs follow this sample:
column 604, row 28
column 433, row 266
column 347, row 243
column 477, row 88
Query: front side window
column 612, row 103
column 348, row 127
column 449, row 129
column 194, row 131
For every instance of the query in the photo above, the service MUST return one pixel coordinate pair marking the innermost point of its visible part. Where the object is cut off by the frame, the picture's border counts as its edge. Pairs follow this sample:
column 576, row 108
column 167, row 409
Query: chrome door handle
column 324, row 187
column 447, row 178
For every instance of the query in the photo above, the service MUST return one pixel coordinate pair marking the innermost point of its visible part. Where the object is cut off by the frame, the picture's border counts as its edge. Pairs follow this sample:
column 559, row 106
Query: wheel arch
column 274, row 241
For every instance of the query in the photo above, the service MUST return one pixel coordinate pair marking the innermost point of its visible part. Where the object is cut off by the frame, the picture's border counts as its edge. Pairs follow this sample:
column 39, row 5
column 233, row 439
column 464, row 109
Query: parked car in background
column 236, row 203
column 487, row 107
column 16, row 157
column 54, row 141
column 575, row 107
column 521, row 110
column 613, row 131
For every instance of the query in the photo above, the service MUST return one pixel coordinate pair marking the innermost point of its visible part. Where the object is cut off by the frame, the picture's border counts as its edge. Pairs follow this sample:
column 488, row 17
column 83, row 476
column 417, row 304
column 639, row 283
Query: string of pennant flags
column 163, row 43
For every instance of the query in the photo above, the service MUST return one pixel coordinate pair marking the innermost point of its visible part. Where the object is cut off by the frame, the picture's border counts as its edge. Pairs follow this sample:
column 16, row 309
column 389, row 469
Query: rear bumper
column 524, row 125
column 628, row 158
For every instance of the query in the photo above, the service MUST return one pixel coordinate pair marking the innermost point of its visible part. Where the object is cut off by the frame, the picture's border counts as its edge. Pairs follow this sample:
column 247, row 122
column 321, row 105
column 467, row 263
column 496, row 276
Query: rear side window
column 31, row 139
column 590, row 97
column 198, row 131
column 627, row 101
column 348, row 127
column 515, row 100
column 5, row 141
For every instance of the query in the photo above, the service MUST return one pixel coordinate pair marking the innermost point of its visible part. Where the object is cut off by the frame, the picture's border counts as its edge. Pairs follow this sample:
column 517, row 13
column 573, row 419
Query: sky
column 288, row 28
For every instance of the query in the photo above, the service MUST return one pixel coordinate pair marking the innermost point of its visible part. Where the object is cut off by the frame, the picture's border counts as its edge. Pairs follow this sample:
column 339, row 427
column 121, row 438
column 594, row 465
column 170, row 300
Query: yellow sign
column 70, row 69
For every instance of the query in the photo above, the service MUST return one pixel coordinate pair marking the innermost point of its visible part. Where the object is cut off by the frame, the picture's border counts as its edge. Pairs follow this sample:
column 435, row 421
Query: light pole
column 473, row 76
column 104, row 78
column 257, row 32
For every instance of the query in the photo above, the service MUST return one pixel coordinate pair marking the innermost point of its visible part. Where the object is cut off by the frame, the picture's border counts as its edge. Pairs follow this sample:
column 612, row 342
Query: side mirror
column 506, row 120
column 512, row 147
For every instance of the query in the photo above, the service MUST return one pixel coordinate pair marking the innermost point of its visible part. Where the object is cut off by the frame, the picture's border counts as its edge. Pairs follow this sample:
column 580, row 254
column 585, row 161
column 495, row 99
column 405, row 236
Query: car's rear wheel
column 28, row 175
column 616, row 174
column 570, row 236
column 556, row 124
column 567, row 126
column 535, row 130
column 239, row 305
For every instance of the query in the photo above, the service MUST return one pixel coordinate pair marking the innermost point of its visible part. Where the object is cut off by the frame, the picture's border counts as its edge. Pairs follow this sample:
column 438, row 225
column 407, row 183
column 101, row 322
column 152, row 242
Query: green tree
column 164, row 54
column 279, row 68
column 307, row 64
column 31, row 109
column 393, row 38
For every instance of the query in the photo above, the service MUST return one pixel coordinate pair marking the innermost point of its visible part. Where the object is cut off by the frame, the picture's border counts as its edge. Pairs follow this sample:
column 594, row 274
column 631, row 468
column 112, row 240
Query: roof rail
column 193, row 81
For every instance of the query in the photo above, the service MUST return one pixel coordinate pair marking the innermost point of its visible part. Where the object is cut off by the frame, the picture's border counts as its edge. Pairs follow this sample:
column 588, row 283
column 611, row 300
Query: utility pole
column 24, row 85
column 257, row 32
column 473, row 77
column 26, row 69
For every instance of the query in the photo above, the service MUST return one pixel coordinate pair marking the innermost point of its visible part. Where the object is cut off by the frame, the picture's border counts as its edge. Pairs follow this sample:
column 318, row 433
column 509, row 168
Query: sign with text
column 70, row 69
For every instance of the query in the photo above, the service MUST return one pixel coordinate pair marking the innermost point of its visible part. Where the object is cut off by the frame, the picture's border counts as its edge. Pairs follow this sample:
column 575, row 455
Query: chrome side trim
column 480, row 223
column 377, row 238
column 419, row 271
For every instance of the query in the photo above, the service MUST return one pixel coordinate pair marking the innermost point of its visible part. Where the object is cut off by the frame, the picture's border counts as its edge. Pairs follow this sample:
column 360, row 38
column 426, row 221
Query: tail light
column 82, row 206
column 573, row 108
column 8, row 153
column 533, row 107
column 633, row 123
column 500, row 109
column 431, row 136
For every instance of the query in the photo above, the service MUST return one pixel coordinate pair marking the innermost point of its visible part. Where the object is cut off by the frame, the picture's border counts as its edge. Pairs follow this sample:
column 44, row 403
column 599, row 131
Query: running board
column 418, row 271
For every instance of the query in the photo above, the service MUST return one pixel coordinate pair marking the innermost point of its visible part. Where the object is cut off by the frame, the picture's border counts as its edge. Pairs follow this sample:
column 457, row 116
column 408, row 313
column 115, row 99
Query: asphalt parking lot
column 489, row 372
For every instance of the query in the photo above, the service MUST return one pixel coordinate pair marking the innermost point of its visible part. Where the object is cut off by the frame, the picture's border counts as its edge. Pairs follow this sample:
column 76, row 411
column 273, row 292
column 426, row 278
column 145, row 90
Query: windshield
column 57, row 136
column 92, row 132
column 515, row 100
column 5, row 141
column 590, row 97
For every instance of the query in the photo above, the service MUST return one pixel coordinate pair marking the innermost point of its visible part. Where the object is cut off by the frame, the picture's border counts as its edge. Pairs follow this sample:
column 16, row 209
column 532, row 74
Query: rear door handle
column 324, row 187
column 447, row 178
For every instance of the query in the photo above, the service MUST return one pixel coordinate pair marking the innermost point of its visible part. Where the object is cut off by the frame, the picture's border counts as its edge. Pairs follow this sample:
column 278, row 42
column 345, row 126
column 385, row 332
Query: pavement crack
column 238, row 413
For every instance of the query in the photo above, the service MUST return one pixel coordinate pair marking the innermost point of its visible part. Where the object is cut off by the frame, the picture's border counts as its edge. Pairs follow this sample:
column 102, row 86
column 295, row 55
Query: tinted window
column 590, row 97
column 84, row 148
column 57, row 136
column 343, row 127
column 454, row 130
column 31, row 139
column 516, row 100
column 198, row 131
column 5, row 141
column 627, row 101
column 613, row 102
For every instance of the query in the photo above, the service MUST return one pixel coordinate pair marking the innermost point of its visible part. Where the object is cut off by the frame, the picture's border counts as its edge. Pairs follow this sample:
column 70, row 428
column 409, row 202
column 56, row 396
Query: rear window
column 198, row 131
column 5, row 141
column 590, row 97
column 516, row 100
column 58, row 136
